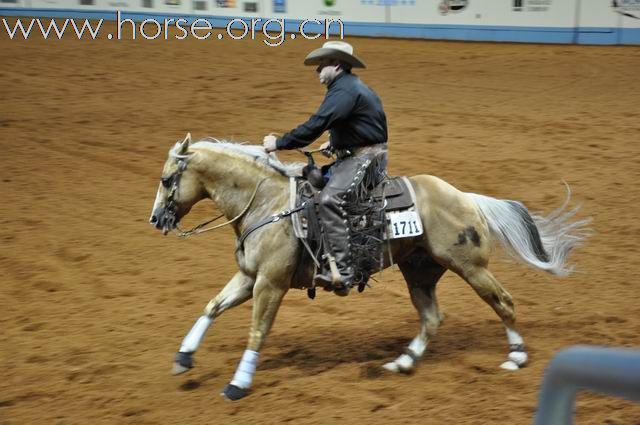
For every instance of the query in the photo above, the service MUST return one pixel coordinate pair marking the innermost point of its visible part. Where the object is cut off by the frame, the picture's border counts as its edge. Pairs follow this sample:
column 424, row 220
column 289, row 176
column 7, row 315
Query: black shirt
column 351, row 111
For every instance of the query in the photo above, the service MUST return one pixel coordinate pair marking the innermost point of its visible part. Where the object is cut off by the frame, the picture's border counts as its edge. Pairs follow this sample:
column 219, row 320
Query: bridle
column 168, row 219
column 173, row 183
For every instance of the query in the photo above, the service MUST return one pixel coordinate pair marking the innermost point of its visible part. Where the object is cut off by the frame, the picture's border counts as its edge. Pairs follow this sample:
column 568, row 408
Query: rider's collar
column 339, row 76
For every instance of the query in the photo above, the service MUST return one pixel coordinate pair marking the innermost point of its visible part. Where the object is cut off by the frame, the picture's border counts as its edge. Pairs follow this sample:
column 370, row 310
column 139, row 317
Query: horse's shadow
column 313, row 357
column 195, row 383
column 323, row 352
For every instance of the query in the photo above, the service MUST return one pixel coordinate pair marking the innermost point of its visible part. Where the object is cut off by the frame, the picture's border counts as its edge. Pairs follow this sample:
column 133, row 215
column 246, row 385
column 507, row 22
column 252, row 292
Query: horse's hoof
column 391, row 367
column 509, row 365
column 518, row 357
column 516, row 360
column 182, row 363
column 396, row 367
column 234, row 393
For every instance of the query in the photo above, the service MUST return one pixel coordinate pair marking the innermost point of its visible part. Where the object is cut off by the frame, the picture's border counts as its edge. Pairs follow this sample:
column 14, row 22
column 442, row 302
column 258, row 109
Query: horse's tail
column 542, row 242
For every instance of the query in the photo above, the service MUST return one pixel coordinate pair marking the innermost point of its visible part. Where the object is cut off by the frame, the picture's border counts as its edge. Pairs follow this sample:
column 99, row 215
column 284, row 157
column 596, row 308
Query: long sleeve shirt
column 352, row 113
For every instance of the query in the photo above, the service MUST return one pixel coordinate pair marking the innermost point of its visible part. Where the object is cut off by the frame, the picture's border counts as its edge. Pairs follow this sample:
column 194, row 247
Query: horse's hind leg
column 494, row 294
column 421, row 274
column 238, row 290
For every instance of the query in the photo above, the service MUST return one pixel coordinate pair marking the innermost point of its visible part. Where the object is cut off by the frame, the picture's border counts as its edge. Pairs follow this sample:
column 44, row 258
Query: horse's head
column 179, row 189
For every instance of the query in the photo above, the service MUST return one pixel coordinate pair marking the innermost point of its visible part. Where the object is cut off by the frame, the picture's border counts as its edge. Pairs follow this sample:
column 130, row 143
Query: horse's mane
column 254, row 152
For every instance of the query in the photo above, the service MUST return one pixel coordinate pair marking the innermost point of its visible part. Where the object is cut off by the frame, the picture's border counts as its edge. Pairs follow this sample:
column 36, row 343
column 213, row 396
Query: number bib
column 403, row 224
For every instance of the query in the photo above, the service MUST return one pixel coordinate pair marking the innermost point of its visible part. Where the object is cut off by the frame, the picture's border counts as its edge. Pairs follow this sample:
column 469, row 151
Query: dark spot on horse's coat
column 462, row 239
column 469, row 233
column 473, row 235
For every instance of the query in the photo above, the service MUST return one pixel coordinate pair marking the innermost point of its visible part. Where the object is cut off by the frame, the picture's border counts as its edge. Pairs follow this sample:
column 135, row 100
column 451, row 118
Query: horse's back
column 435, row 195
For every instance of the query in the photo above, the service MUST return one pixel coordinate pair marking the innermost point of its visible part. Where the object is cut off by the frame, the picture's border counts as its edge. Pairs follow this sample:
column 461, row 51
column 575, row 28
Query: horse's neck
column 231, row 182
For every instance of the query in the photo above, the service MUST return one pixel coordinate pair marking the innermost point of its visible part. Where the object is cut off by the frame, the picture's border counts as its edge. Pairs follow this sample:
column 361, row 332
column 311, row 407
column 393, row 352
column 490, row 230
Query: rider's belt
column 361, row 150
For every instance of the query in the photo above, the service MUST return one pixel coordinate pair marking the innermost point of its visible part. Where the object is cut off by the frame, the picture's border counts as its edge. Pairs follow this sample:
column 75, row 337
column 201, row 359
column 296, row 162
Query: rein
column 271, row 219
column 199, row 228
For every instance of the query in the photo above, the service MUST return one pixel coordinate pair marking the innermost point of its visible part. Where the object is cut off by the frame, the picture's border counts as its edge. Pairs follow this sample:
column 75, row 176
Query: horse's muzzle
column 163, row 219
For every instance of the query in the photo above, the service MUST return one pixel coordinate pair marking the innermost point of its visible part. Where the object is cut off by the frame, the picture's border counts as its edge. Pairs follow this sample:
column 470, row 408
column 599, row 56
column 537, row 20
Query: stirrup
column 324, row 280
column 331, row 278
column 340, row 288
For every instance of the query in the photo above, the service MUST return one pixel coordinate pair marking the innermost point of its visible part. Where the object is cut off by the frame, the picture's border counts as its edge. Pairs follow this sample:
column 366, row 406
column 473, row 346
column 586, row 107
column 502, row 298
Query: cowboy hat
column 334, row 50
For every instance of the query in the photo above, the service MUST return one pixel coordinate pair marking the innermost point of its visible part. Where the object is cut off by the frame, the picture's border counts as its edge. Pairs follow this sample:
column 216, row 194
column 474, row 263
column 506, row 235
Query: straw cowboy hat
column 334, row 50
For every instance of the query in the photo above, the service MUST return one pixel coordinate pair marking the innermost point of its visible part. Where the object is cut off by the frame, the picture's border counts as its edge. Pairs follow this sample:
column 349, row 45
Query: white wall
column 559, row 13
column 347, row 10
column 17, row 3
column 599, row 13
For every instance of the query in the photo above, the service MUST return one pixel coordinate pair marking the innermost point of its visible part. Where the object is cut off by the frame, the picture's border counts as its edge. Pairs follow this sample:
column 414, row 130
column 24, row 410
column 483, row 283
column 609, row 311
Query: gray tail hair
column 541, row 242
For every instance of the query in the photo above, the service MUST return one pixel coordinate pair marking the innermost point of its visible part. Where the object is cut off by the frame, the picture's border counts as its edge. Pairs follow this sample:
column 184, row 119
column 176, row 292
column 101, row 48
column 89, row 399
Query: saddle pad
column 392, row 187
column 398, row 193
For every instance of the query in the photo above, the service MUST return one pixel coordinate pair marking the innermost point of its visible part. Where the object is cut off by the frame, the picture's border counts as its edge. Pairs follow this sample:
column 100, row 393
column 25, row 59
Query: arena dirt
column 95, row 302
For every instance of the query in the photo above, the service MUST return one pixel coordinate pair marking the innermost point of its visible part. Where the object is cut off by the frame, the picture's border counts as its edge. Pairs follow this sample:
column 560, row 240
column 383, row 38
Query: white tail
column 542, row 242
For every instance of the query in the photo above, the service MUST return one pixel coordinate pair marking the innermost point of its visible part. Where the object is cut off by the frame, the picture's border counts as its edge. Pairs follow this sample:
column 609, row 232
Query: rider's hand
column 325, row 148
column 269, row 143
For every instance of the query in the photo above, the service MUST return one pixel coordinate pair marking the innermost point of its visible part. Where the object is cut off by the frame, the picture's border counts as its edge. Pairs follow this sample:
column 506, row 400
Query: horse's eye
column 166, row 182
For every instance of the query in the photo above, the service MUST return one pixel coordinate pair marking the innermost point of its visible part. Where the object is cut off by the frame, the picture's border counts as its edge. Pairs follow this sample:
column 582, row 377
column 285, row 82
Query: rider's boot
column 340, row 275
column 332, row 280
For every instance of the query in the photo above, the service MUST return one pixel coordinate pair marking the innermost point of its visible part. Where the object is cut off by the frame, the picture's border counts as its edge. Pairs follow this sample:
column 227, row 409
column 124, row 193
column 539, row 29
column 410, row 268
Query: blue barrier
column 605, row 370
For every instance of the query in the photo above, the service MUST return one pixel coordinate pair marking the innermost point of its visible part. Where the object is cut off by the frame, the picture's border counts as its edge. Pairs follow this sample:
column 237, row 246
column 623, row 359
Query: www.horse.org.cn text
column 270, row 31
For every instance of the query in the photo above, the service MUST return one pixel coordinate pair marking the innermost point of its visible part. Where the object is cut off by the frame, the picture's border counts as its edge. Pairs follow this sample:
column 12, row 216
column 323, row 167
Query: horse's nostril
column 153, row 219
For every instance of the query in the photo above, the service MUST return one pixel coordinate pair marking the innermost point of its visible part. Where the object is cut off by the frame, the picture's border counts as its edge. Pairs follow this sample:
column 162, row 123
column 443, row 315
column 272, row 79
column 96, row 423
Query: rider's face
column 327, row 71
column 323, row 63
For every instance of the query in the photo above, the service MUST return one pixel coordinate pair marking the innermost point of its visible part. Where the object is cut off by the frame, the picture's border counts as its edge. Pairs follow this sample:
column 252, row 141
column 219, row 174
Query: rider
column 354, row 116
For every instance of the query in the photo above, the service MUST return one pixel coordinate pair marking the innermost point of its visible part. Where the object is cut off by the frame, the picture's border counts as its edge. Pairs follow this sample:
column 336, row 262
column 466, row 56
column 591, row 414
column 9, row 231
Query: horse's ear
column 184, row 146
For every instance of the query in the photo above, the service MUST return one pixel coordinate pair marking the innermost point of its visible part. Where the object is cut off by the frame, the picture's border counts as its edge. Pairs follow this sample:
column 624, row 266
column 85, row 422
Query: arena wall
column 534, row 21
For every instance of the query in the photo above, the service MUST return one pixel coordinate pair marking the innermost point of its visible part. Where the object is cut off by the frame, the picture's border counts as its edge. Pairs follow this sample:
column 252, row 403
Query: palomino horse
column 248, row 185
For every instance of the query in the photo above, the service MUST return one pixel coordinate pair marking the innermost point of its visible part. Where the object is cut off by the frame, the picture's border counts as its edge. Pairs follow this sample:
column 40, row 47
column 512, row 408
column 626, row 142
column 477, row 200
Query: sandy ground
column 95, row 302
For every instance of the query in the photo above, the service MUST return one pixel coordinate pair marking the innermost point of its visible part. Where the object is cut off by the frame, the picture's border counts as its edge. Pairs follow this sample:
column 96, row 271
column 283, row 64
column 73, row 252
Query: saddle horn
column 312, row 173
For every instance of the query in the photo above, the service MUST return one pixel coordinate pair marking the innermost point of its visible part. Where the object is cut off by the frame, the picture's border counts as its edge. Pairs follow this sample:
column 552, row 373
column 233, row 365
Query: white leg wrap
column 247, row 367
column 514, row 337
column 405, row 362
column 516, row 359
column 418, row 345
column 193, row 339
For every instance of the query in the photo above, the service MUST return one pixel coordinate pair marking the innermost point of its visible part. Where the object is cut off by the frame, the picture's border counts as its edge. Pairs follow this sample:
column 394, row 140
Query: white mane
column 255, row 152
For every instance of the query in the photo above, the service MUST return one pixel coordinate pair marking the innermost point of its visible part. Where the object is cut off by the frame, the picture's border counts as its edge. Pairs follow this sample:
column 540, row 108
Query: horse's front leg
column 238, row 290
column 267, row 294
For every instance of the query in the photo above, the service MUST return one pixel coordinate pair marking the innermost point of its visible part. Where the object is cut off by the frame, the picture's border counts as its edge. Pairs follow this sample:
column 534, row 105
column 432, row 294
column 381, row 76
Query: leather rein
column 182, row 166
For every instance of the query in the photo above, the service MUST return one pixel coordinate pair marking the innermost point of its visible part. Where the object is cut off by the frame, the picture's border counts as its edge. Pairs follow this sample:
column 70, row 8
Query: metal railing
column 605, row 370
